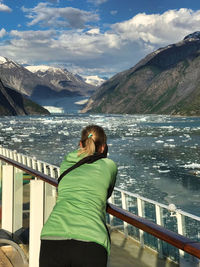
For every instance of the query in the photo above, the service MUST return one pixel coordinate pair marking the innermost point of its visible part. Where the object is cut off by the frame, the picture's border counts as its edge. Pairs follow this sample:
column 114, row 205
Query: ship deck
column 125, row 252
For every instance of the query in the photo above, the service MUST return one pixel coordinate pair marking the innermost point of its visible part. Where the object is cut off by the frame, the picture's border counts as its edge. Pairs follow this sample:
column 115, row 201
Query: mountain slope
column 62, row 80
column 167, row 81
column 36, row 80
column 13, row 103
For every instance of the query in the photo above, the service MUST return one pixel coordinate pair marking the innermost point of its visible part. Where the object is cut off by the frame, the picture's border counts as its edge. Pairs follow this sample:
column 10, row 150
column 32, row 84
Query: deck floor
column 126, row 252
column 4, row 262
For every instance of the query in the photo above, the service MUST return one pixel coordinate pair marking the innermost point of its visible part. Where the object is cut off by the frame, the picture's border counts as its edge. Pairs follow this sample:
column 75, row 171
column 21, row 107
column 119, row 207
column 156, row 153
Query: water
column 157, row 156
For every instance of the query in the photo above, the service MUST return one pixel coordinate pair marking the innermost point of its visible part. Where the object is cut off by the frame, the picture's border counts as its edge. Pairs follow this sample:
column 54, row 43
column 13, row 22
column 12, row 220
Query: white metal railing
column 43, row 197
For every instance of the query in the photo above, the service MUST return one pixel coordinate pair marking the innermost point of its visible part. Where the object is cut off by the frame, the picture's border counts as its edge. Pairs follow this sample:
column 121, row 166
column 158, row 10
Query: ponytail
column 92, row 138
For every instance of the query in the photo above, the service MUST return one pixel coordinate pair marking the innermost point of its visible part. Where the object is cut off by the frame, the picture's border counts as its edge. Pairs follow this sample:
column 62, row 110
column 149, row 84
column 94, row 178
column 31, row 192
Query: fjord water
column 157, row 156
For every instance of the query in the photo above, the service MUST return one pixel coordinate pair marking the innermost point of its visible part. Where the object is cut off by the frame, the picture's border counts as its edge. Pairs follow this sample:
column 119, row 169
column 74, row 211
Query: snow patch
column 53, row 109
column 94, row 80
column 3, row 60
column 81, row 102
column 43, row 68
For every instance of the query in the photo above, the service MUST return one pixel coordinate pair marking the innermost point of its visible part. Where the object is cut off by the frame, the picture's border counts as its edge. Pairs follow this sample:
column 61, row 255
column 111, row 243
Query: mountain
column 61, row 81
column 40, row 81
column 13, row 103
column 15, row 76
column 166, row 81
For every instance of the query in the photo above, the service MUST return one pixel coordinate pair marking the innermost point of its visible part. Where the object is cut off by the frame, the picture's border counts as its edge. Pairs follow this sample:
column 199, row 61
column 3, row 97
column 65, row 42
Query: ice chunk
column 191, row 166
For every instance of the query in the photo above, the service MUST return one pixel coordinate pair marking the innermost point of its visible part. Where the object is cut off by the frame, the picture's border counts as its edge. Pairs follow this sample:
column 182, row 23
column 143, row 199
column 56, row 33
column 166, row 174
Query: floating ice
column 170, row 140
column 13, row 122
column 169, row 145
column 167, row 127
column 163, row 171
column 191, row 166
column 16, row 140
column 156, row 166
column 159, row 141
column 9, row 129
column 64, row 133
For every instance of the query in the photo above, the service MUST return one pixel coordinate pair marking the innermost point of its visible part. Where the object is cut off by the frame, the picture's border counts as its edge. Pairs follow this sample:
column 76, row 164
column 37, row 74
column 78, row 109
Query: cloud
column 94, row 31
column 49, row 16
column 97, row 2
column 159, row 29
column 113, row 12
column 2, row 32
column 93, row 51
column 4, row 8
column 53, row 1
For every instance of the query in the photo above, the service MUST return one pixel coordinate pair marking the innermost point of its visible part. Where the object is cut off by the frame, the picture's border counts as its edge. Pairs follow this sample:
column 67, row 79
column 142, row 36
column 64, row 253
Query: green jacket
column 80, row 210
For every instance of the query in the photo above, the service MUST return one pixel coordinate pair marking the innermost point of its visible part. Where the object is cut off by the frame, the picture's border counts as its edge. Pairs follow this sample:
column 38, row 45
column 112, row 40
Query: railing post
column 39, row 166
column 159, row 221
column 23, row 159
column 15, row 155
column 34, row 163
column 45, row 168
column 140, row 206
column 112, row 201
column 124, row 206
column 19, row 158
column 11, row 154
column 36, row 220
column 4, row 152
column 7, row 153
column 12, row 198
column 181, row 230
column 52, row 173
column 29, row 162
column 49, row 200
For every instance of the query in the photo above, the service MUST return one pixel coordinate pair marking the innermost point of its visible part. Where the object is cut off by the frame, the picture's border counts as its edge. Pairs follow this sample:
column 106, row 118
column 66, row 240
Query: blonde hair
column 92, row 139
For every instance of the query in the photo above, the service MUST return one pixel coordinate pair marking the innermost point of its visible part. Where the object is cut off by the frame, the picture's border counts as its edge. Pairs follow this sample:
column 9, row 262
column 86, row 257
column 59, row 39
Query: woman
column 75, row 233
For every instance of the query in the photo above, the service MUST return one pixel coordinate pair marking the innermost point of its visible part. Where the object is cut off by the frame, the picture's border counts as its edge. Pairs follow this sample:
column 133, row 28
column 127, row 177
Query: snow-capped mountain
column 94, row 80
column 62, row 79
column 42, row 81
column 15, row 76
column 194, row 35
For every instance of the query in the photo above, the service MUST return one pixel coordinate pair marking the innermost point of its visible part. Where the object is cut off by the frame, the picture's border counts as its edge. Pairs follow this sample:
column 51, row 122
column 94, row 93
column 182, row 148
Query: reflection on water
column 157, row 156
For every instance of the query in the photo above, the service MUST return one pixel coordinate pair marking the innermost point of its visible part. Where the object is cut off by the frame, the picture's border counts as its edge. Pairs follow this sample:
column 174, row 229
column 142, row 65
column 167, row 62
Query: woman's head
column 93, row 139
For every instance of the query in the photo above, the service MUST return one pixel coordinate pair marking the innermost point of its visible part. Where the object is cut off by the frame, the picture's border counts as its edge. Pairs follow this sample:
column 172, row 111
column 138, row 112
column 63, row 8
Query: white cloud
column 92, row 51
column 113, row 12
column 2, row 32
column 49, row 16
column 97, row 2
column 94, row 31
column 53, row 1
column 158, row 29
column 4, row 8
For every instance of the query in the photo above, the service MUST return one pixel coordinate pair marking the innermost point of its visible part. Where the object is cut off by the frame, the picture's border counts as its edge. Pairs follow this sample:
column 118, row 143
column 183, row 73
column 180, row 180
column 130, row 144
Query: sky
column 92, row 37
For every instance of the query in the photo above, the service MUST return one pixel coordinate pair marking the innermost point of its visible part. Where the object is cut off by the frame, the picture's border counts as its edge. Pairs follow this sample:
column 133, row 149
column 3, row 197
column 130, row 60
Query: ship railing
column 170, row 231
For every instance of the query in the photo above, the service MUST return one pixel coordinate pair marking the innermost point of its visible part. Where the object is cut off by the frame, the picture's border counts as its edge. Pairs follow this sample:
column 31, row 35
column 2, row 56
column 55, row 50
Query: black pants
column 72, row 253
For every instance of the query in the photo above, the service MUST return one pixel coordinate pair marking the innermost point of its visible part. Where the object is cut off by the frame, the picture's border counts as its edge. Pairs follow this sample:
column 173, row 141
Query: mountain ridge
column 164, row 82
column 14, row 103
column 23, row 80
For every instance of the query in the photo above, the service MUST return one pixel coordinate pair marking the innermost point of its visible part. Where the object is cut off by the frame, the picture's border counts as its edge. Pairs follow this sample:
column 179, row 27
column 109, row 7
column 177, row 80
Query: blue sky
column 92, row 37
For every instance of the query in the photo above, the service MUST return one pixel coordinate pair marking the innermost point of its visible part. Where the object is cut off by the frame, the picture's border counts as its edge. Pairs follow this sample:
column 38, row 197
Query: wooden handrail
column 178, row 241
